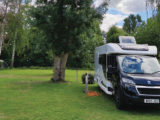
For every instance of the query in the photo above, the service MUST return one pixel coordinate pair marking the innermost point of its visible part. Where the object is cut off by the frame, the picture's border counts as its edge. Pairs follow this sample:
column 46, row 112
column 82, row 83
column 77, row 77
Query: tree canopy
column 149, row 32
column 114, row 33
column 131, row 23
column 63, row 21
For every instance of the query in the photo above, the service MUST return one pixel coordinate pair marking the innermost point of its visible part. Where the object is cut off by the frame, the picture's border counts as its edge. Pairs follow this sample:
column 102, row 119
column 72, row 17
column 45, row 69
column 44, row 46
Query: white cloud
column 97, row 3
column 110, row 20
column 128, row 6
column 125, row 7
column 119, row 26
column 33, row 2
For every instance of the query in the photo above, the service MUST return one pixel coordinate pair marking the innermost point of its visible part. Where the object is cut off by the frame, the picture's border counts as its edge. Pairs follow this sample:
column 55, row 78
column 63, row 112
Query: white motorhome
column 129, row 71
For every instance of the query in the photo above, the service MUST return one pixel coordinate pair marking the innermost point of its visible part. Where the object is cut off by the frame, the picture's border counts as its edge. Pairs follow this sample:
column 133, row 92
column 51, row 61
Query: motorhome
column 129, row 71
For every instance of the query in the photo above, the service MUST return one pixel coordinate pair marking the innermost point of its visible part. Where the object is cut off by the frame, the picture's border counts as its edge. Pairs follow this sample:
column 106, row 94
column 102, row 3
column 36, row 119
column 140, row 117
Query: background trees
column 14, row 26
column 114, row 33
column 131, row 23
column 153, row 6
column 149, row 33
column 3, row 14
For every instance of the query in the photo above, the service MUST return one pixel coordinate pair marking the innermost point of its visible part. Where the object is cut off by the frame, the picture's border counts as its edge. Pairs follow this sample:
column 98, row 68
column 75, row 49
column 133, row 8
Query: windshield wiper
column 133, row 72
column 155, row 72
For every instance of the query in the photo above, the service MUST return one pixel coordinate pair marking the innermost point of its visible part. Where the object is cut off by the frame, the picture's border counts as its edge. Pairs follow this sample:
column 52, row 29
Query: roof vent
column 127, row 39
column 138, row 47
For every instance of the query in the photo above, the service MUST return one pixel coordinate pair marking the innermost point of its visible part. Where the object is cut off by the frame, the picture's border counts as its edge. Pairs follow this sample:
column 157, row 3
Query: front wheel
column 119, row 99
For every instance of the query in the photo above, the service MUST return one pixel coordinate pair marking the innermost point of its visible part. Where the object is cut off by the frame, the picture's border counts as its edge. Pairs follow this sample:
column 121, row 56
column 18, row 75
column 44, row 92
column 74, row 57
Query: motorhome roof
column 114, row 48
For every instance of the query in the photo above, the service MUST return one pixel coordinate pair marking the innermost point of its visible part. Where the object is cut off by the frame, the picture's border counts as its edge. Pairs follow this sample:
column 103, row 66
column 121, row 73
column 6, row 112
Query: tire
column 119, row 100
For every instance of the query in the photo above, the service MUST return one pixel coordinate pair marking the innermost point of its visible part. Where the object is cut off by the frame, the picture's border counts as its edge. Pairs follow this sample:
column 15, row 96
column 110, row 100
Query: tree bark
column 59, row 68
column 56, row 70
column 63, row 66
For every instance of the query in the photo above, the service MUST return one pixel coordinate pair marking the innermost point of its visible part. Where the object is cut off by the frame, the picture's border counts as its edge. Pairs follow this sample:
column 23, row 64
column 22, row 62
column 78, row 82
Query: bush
column 90, row 78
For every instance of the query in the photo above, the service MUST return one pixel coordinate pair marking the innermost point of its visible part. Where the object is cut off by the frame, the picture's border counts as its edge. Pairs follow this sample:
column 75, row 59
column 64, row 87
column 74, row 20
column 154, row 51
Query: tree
column 63, row 21
column 15, row 21
column 158, row 18
column 149, row 33
column 16, row 27
column 153, row 6
column 84, row 56
column 114, row 33
column 11, row 23
column 3, row 13
column 131, row 23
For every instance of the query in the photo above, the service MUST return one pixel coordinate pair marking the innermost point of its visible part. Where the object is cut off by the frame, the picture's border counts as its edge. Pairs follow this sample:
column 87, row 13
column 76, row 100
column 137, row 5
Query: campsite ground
column 27, row 94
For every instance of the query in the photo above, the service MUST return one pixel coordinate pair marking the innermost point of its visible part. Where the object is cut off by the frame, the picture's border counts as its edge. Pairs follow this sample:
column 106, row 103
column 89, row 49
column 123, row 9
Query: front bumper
column 132, row 94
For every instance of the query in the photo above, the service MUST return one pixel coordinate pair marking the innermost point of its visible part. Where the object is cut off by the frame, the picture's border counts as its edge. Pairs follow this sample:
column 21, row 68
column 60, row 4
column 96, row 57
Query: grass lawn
column 26, row 94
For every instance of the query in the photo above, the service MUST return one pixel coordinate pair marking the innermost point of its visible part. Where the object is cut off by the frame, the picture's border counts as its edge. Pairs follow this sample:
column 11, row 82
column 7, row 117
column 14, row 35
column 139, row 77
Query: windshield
column 138, row 64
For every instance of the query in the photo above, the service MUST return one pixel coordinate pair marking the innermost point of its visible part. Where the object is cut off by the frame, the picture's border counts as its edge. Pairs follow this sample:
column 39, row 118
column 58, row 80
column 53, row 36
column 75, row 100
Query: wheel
column 119, row 99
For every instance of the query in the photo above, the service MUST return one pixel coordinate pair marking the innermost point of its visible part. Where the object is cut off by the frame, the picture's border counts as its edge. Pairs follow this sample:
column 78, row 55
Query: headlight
column 128, row 81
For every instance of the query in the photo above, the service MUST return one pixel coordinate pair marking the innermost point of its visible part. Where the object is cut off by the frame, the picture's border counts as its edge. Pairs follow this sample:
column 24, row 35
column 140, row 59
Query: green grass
column 27, row 94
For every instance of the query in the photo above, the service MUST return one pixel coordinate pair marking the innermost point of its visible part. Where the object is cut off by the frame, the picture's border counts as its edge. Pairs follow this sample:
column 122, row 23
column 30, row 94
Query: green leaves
column 114, row 33
column 64, row 21
column 149, row 33
column 132, row 23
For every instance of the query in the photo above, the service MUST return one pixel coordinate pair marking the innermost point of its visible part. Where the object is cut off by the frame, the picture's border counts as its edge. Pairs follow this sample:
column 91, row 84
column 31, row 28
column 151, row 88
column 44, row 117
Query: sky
column 118, row 10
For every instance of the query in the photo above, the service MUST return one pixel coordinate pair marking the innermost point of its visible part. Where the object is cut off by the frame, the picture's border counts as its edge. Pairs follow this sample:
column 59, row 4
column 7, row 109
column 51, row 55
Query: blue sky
column 119, row 10
column 113, row 11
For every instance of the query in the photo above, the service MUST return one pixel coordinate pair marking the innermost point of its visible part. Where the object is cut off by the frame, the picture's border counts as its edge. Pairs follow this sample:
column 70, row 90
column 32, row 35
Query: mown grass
column 27, row 94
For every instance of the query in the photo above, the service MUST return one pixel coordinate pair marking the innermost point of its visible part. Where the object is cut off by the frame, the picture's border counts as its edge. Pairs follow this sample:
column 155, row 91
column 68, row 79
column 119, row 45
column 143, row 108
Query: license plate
column 156, row 101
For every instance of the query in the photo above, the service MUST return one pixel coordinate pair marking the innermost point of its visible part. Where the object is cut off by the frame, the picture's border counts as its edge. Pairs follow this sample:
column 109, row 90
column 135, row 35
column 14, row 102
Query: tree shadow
column 32, row 82
column 40, row 82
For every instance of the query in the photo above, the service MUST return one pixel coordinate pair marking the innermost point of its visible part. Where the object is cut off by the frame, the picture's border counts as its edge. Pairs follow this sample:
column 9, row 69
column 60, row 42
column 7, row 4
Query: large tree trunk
column 59, row 68
column 63, row 66
column 56, row 70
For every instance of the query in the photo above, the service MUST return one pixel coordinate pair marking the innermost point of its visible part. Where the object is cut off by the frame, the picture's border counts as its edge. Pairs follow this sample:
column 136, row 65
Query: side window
column 102, row 61
column 112, row 67
column 111, row 62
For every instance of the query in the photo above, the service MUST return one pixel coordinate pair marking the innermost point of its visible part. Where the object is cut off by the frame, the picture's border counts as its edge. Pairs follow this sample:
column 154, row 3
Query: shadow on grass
column 145, row 109
column 40, row 82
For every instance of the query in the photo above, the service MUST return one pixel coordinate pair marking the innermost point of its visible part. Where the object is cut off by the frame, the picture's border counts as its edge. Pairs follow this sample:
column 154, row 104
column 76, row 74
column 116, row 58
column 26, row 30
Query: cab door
column 104, row 83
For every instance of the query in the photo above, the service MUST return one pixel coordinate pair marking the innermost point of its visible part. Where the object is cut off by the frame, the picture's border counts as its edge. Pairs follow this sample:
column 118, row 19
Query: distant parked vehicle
column 129, row 71
column 90, row 78
column 3, row 64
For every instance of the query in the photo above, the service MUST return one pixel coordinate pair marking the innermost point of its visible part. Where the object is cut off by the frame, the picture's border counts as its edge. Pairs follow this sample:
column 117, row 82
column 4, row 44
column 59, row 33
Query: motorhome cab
column 129, row 71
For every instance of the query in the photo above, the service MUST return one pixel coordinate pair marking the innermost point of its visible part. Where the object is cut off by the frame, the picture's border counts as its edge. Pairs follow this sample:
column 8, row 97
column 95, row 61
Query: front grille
column 149, row 91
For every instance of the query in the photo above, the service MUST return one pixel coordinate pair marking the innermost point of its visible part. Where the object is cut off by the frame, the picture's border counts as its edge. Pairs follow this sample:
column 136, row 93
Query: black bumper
column 131, row 95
